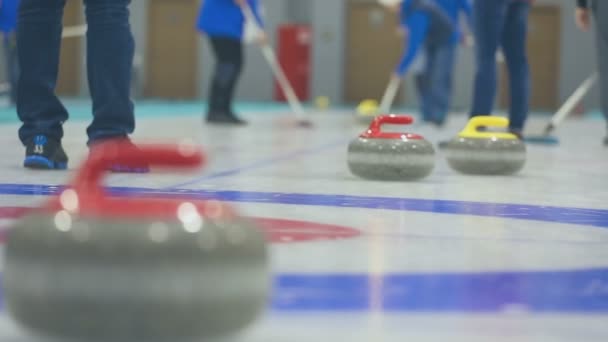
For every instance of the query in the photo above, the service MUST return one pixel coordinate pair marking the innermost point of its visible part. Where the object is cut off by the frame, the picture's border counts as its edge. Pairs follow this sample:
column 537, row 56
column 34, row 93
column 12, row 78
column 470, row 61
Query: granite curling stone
column 379, row 155
column 90, row 266
column 488, row 152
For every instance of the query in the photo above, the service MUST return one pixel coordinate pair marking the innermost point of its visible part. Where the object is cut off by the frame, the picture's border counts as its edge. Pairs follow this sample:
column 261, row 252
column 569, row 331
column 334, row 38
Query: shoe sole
column 42, row 163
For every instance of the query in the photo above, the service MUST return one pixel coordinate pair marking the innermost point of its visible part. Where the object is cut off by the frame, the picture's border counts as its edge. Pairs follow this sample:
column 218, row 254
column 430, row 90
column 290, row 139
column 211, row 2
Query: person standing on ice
column 502, row 24
column 583, row 21
column 427, row 28
column 110, row 48
column 434, row 81
column 223, row 22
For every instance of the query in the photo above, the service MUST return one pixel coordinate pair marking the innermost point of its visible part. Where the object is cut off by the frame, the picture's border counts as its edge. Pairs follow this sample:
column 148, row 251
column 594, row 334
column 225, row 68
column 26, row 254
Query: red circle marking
column 289, row 231
column 276, row 230
column 13, row 212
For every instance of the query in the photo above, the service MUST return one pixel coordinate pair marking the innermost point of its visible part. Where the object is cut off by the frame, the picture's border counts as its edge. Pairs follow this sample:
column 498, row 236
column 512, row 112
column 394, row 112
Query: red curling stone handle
column 92, row 200
column 375, row 128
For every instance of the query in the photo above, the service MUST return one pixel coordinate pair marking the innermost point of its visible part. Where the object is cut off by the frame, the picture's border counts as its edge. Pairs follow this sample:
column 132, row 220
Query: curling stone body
column 486, row 153
column 95, row 267
column 134, row 279
column 390, row 156
column 486, row 156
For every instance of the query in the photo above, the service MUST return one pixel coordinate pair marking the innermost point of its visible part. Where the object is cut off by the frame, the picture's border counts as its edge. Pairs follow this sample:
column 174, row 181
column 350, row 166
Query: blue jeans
column 501, row 23
column 435, row 82
column 12, row 65
column 110, row 49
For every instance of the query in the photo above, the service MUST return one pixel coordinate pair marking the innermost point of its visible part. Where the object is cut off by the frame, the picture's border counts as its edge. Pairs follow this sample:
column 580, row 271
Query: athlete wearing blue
column 110, row 47
column 224, row 23
column 439, row 66
column 429, row 29
column 502, row 24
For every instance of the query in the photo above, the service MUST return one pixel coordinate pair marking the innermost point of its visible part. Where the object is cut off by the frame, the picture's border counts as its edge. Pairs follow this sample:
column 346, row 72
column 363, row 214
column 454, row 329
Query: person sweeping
column 223, row 22
column 425, row 27
column 434, row 80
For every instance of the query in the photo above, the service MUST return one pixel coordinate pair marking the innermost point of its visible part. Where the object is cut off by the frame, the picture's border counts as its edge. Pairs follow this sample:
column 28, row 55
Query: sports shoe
column 125, row 143
column 225, row 119
column 44, row 153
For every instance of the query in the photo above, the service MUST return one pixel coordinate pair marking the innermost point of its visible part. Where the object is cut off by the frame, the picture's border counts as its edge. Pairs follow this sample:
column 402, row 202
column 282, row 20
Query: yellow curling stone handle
column 471, row 130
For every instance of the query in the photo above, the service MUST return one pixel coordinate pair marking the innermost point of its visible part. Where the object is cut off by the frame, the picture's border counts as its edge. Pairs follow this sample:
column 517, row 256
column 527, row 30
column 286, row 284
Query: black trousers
column 229, row 63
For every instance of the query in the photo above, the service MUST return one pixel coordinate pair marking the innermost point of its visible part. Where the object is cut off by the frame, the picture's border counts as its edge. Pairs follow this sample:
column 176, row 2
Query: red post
column 294, row 55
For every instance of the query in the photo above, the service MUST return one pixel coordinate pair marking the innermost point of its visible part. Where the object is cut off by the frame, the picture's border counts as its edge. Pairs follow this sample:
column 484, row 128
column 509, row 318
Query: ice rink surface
column 448, row 258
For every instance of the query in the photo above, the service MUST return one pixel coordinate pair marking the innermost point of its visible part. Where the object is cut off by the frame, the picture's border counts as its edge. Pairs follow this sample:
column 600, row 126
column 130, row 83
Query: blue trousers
column 110, row 49
column 434, row 83
column 12, row 65
column 504, row 24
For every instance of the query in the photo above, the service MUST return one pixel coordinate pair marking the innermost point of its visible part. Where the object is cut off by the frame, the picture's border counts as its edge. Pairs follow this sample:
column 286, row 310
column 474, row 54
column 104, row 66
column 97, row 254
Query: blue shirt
column 8, row 15
column 224, row 18
column 425, row 23
column 417, row 25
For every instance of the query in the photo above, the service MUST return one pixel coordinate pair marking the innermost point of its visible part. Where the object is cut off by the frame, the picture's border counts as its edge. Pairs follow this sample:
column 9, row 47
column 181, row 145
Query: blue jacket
column 453, row 8
column 224, row 18
column 427, row 24
column 8, row 15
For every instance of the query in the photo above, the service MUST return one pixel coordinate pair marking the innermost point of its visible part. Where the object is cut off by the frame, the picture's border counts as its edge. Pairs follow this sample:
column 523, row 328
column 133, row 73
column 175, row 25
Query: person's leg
column 514, row 41
column 215, row 89
column 488, row 21
column 441, row 81
column 6, row 44
column 12, row 65
column 229, row 60
column 39, row 35
column 422, row 80
column 235, row 58
column 110, row 49
column 600, row 10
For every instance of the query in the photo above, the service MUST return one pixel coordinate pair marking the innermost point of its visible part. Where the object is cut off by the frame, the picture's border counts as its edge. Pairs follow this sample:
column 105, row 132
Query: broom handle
column 293, row 100
column 74, row 31
column 389, row 95
column 572, row 101
column 278, row 72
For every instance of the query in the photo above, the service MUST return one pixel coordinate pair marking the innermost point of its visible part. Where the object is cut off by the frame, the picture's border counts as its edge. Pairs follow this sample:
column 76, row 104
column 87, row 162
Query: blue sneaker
column 43, row 153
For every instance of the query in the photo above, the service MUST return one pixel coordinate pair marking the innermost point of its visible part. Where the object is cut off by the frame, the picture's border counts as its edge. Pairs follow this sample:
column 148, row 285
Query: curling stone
column 367, row 111
column 91, row 266
column 488, row 152
column 382, row 155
